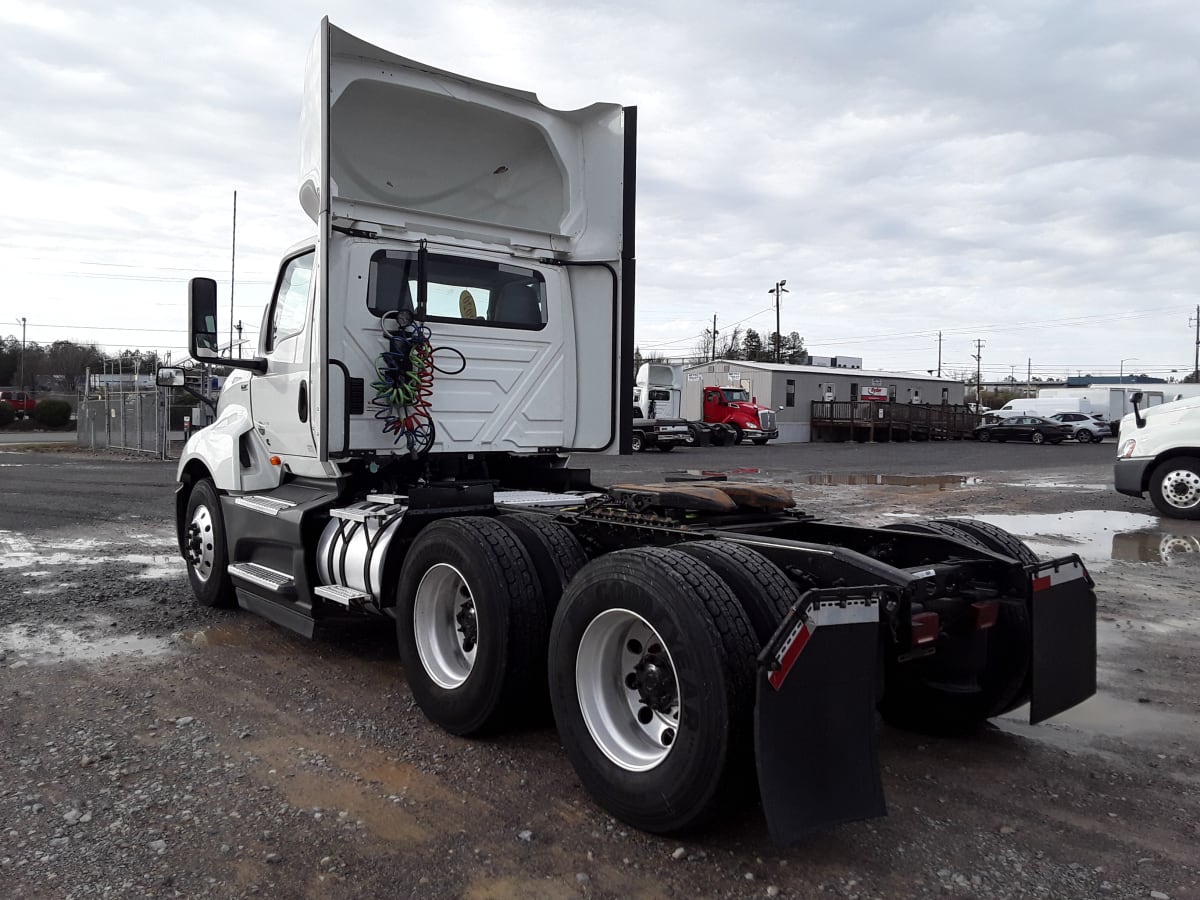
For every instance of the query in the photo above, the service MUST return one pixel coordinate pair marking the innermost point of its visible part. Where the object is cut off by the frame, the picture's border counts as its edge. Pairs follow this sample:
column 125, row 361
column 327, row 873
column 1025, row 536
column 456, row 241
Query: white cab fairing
column 507, row 196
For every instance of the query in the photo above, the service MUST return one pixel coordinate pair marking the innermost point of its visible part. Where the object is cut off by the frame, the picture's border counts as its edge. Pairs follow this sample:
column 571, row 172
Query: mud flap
column 814, row 719
column 1063, row 610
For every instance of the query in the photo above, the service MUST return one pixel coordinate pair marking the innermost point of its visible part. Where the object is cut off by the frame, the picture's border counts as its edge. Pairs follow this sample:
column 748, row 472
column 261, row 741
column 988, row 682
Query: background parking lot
column 153, row 747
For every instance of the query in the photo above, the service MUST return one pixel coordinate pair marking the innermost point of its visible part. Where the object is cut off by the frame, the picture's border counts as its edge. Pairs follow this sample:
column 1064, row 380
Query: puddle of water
column 1101, row 715
column 18, row 552
column 214, row 636
column 1099, row 536
column 45, row 643
column 1057, row 485
column 851, row 478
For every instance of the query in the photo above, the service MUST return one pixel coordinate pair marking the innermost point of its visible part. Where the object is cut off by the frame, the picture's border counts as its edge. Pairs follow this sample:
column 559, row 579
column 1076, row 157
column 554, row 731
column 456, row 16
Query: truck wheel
column 914, row 700
column 690, row 440
column 759, row 441
column 738, row 437
column 471, row 624
column 555, row 552
column 666, row 448
column 204, row 547
column 652, row 680
column 1083, row 436
column 763, row 591
column 1175, row 488
column 637, row 442
column 994, row 538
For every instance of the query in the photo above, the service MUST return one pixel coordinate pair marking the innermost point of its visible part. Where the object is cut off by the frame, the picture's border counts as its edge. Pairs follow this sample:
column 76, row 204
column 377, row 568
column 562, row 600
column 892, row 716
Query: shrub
column 7, row 413
column 52, row 413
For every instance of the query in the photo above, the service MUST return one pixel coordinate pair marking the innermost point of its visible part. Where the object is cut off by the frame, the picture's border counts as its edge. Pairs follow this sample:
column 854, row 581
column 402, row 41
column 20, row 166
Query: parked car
column 1026, row 428
column 22, row 403
column 1087, row 427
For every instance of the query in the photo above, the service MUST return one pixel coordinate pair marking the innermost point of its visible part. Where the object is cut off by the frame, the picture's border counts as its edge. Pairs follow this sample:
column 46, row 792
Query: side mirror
column 1136, row 398
column 169, row 376
column 202, row 318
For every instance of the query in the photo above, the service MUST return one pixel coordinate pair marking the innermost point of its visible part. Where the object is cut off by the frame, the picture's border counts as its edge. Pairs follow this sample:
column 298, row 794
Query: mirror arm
column 208, row 401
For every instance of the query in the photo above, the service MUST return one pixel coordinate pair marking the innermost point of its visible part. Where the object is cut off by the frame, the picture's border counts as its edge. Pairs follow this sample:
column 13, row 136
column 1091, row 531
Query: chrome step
column 367, row 509
column 347, row 597
column 270, row 506
column 262, row 576
column 387, row 498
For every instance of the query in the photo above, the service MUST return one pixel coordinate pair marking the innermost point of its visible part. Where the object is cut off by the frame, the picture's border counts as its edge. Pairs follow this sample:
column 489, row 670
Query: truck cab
column 1159, row 455
column 735, row 408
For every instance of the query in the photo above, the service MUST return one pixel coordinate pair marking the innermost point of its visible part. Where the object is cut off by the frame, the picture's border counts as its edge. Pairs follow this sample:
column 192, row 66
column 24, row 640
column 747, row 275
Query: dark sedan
column 1025, row 428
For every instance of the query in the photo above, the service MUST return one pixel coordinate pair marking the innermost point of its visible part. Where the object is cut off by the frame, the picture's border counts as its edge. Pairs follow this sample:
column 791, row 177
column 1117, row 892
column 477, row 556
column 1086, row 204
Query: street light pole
column 1121, row 377
column 777, row 290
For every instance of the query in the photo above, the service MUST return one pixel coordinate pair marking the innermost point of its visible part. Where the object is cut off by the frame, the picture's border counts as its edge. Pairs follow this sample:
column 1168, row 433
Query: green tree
column 752, row 346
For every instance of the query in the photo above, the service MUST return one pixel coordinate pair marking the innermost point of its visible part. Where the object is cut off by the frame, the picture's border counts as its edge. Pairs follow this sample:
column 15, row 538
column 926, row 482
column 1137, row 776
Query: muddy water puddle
column 1102, row 716
column 19, row 552
column 1100, row 536
column 30, row 643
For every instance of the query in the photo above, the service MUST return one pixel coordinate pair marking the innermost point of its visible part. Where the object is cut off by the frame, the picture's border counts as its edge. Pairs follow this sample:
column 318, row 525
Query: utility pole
column 232, row 266
column 21, row 377
column 939, row 354
column 978, row 356
column 1029, row 377
column 238, row 326
column 713, row 356
column 1196, row 364
column 777, row 290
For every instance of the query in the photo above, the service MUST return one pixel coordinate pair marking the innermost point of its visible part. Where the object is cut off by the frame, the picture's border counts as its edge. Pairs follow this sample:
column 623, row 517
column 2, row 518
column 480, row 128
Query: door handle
column 302, row 403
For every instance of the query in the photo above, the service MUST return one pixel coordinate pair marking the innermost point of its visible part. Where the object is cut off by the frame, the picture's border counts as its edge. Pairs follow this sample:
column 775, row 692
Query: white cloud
column 909, row 168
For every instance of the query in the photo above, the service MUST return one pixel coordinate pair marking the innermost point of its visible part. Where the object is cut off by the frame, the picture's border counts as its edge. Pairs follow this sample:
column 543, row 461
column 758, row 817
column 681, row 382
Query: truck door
column 281, row 398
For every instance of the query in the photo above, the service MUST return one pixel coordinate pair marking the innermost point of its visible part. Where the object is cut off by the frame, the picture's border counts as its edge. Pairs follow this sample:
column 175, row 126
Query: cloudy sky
column 1020, row 173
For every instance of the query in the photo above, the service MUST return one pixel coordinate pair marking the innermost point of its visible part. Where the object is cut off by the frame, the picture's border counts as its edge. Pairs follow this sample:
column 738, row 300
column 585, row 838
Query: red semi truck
column 735, row 408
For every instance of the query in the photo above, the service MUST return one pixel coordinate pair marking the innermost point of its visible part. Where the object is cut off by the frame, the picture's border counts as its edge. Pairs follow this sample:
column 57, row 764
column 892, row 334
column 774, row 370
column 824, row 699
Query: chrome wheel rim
column 1181, row 488
column 200, row 544
column 628, row 690
column 445, row 626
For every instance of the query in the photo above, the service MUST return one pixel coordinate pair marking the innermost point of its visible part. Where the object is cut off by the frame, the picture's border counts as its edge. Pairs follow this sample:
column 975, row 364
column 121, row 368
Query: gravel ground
column 155, row 748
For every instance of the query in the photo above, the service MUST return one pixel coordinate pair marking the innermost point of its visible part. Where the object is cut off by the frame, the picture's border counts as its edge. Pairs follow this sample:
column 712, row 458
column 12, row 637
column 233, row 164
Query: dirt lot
column 154, row 748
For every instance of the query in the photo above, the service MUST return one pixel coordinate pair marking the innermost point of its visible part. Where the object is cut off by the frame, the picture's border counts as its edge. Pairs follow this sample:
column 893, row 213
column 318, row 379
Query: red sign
column 873, row 393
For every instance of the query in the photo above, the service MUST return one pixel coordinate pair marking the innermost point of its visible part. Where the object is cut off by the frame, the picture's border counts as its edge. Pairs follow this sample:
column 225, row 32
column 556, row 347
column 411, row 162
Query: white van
column 1044, row 407
column 1160, row 455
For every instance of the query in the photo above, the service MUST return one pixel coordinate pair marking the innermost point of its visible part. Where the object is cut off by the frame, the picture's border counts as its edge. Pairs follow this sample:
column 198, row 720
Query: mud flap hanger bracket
column 814, row 720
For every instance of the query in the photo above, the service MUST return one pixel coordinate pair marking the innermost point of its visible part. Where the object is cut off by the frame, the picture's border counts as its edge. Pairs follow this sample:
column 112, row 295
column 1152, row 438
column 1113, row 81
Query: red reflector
column 986, row 613
column 924, row 628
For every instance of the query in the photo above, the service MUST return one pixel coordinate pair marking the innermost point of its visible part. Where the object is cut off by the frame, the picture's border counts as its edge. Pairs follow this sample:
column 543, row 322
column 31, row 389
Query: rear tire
column 652, row 680
column 471, row 624
column 913, row 698
column 760, row 586
column 205, row 549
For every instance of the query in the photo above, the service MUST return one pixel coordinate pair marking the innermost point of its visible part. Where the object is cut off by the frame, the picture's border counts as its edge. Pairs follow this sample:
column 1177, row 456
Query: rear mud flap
column 815, row 733
column 1063, row 609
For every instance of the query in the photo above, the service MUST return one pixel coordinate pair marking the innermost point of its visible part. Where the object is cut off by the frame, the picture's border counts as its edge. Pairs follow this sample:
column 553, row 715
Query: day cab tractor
column 734, row 408
column 406, row 439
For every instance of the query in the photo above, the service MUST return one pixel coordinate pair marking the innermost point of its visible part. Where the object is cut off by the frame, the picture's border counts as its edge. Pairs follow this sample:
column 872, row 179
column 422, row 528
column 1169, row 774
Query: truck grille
column 766, row 419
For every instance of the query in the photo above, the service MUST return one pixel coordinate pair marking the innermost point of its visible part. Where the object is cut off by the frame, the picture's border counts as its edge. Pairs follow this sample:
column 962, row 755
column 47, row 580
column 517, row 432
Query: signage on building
column 873, row 393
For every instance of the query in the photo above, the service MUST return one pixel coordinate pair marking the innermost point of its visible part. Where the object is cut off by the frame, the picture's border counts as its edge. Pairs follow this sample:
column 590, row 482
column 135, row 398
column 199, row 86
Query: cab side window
column 291, row 299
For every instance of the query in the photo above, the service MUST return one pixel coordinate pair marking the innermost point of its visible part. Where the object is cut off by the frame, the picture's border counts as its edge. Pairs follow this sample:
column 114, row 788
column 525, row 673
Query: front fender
column 219, row 447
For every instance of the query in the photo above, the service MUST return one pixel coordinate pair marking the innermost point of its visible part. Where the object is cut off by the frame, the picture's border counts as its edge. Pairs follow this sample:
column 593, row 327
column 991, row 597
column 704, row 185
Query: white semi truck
column 404, row 442
column 1159, row 455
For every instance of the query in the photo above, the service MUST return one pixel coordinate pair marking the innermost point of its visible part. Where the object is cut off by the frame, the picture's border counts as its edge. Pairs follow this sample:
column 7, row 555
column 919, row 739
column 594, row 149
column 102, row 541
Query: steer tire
column 759, row 442
column 655, row 776
column 1175, row 487
column 738, row 435
column 210, row 577
column 454, row 566
column 760, row 586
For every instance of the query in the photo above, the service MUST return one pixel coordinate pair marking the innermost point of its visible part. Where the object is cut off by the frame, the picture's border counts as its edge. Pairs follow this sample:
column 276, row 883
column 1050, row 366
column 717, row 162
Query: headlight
column 1127, row 448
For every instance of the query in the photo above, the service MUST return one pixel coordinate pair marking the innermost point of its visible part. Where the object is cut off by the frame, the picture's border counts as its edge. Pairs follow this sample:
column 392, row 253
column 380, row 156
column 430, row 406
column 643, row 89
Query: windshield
column 736, row 395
